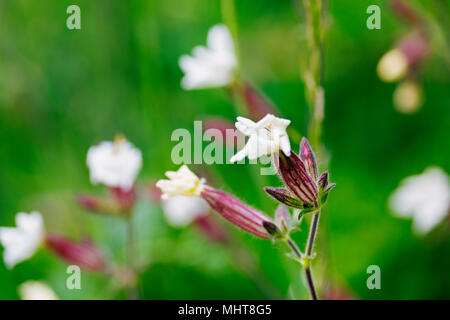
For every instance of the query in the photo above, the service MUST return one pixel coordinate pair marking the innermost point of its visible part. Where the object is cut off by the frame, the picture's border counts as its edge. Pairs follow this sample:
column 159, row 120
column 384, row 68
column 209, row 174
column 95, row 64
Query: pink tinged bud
column 406, row 12
column 284, row 196
column 283, row 218
column 213, row 230
column 125, row 198
column 415, row 47
column 257, row 105
column 237, row 212
column 308, row 158
column 84, row 254
column 96, row 204
column 296, row 178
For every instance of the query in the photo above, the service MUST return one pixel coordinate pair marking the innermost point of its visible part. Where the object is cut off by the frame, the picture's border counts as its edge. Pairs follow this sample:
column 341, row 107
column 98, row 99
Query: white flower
column 21, row 242
column 36, row 290
column 267, row 136
column 115, row 164
column 425, row 198
column 211, row 66
column 180, row 211
column 181, row 183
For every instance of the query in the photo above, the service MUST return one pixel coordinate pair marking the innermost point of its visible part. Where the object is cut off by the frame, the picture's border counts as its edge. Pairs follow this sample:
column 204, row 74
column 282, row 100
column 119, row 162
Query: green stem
column 229, row 18
column 314, row 78
column 309, row 279
column 132, row 291
column 312, row 234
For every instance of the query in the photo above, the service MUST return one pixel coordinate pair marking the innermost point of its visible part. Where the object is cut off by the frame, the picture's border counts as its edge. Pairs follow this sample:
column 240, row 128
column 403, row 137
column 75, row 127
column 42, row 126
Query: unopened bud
column 308, row 158
column 257, row 105
column 97, row 204
column 323, row 180
column 83, row 254
column 237, row 212
column 125, row 198
column 284, row 196
column 408, row 97
column 293, row 172
column 283, row 219
column 392, row 66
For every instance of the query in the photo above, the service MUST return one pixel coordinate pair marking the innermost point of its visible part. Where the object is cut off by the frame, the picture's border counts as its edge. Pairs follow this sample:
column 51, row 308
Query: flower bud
column 308, row 158
column 296, row 178
column 283, row 219
column 257, row 105
column 392, row 66
column 97, row 204
column 284, row 196
column 323, row 180
column 84, row 254
column 125, row 198
column 408, row 54
column 408, row 97
column 237, row 212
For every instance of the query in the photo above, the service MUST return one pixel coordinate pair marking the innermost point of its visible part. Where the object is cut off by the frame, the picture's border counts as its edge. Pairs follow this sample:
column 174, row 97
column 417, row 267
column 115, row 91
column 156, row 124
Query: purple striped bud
column 83, row 254
column 308, row 158
column 323, row 180
column 284, row 196
column 237, row 212
column 293, row 172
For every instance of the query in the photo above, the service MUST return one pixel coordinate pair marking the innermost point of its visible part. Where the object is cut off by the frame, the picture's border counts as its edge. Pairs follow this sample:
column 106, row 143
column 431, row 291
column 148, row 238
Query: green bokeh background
column 62, row 91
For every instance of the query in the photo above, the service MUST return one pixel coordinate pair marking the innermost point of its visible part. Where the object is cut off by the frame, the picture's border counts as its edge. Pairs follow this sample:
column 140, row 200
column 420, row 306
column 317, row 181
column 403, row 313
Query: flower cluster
column 403, row 62
column 22, row 241
column 304, row 189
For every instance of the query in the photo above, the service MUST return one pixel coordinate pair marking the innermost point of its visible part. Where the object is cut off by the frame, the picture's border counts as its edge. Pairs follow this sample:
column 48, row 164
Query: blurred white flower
column 36, row 290
column 425, row 198
column 408, row 96
column 115, row 164
column 267, row 136
column 180, row 211
column 21, row 242
column 181, row 183
column 211, row 66
column 392, row 66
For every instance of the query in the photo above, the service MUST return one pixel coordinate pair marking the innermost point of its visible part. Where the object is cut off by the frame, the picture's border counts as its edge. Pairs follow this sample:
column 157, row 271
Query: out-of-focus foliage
column 62, row 91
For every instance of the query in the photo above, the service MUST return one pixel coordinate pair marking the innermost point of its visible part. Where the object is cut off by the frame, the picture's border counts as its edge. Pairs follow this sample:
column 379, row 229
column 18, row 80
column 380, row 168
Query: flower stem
column 309, row 279
column 132, row 291
column 312, row 234
column 229, row 18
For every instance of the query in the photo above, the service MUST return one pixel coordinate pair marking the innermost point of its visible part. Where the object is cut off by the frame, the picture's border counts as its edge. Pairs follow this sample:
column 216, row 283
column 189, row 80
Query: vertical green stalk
column 229, row 18
column 314, row 72
column 132, row 291
column 305, row 261
column 314, row 77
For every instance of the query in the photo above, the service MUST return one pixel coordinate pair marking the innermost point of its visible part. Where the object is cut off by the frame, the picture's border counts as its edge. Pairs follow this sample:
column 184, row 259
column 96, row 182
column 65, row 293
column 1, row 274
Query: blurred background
column 62, row 91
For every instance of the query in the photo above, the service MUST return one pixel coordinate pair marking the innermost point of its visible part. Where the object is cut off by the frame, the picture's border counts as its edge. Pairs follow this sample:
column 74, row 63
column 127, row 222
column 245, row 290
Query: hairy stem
column 312, row 234
column 309, row 279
